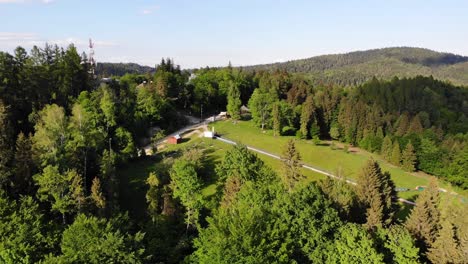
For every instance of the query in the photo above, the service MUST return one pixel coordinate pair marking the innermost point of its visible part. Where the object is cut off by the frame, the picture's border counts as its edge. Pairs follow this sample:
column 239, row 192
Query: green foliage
column 265, row 225
column 6, row 151
column 291, row 165
column 244, row 164
column 376, row 194
column 23, row 165
column 387, row 148
column 234, row 102
column 399, row 245
column 260, row 104
column 423, row 221
column 276, row 119
column 335, row 132
column 125, row 145
column 54, row 187
column 307, row 116
column 458, row 168
column 153, row 195
column 121, row 69
column 186, row 185
column 408, row 158
column 450, row 245
column 94, row 240
column 51, row 136
column 396, row 154
column 342, row 196
column 358, row 67
column 354, row 245
column 23, row 231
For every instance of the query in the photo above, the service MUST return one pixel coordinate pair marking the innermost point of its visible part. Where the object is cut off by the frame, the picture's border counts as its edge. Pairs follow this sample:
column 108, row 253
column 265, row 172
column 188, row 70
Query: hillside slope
column 106, row 69
column 357, row 67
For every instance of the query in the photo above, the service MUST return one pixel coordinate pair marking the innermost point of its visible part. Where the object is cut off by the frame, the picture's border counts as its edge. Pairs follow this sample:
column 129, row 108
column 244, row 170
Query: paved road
column 149, row 148
column 308, row 167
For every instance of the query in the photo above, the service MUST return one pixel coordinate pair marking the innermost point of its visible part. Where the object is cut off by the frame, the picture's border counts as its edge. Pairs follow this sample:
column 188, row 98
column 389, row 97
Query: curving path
column 305, row 166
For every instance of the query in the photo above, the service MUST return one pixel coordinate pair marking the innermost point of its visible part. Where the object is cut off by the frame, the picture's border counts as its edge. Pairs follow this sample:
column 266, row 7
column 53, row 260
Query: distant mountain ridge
column 359, row 66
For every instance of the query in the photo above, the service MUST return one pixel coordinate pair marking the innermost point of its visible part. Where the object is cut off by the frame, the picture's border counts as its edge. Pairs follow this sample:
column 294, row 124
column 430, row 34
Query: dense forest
column 106, row 69
column 358, row 67
column 64, row 136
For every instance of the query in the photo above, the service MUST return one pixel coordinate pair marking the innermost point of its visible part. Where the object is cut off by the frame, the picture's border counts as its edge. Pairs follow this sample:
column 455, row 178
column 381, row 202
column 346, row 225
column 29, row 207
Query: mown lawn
column 133, row 176
column 322, row 156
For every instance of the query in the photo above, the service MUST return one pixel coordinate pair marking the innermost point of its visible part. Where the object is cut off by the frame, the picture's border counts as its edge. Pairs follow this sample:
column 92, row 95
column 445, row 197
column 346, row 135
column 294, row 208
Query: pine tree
column 291, row 165
column 234, row 102
column 276, row 120
column 403, row 124
column 96, row 194
column 415, row 126
column 231, row 188
column 6, row 151
column 387, row 148
column 445, row 247
column 376, row 194
column 153, row 195
column 451, row 244
column 306, row 115
column 409, row 158
column 396, row 154
column 315, row 132
column 423, row 221
column 23, row 165
column 389, row 199
column 77, row 190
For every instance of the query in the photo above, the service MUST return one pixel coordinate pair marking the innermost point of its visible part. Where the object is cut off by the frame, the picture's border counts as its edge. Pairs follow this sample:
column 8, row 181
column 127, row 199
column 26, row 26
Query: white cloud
column 149, row 10
column 15, row 36
column 27, row 40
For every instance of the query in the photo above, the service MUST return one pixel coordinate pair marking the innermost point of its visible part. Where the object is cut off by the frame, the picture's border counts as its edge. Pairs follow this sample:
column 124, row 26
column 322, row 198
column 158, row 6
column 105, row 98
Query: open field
column 322, row 156
column 133, row 176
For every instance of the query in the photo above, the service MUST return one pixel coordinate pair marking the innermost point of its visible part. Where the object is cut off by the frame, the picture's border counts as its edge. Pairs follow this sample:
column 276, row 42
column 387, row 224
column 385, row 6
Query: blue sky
column 211, row 33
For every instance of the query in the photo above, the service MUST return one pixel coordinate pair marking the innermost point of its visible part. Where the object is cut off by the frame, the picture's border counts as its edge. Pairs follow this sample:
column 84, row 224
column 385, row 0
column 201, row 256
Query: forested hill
column 357, row 67
column 106, row 69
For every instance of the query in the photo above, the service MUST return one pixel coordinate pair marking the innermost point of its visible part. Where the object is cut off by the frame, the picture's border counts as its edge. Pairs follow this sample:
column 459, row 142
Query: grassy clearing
column 322, row 156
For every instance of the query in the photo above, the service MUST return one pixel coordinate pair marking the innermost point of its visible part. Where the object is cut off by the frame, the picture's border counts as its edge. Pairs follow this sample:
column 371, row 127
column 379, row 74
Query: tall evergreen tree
column 234, row 102
column 23, row 165
column 6, row 151
column 96, row 194
column 375, row 191
column 307, row 115
column 153, row 195
column 424, row 219
column 276, row 119
column 409, row 158
column 291, row 165
column 77, row 190
column 415, row 126
column 396, row 154
column 387, row 148
column 451, row 244
column 402, row 124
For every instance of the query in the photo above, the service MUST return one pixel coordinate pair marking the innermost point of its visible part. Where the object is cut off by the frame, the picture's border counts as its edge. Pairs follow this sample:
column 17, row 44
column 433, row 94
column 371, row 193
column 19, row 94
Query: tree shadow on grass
column 405, row 209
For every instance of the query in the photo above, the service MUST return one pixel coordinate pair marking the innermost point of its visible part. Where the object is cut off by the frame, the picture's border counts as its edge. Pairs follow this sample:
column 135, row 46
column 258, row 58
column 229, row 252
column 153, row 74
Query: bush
column 288, row 131
column 299, row 134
